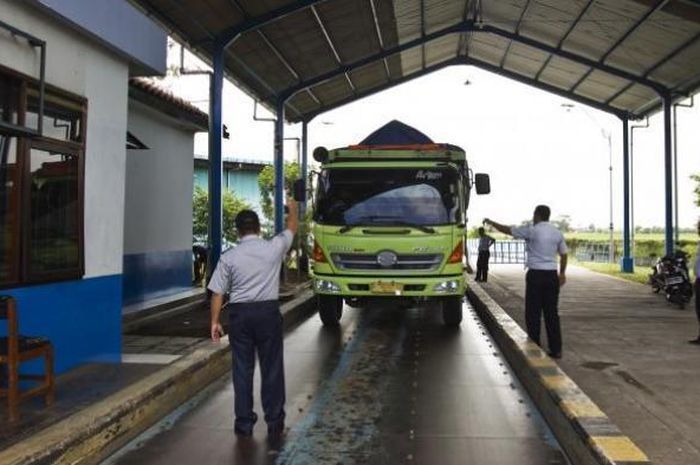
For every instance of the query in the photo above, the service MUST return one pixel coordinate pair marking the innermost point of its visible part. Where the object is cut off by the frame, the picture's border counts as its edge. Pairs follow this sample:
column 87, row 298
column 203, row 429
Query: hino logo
column 387, row 259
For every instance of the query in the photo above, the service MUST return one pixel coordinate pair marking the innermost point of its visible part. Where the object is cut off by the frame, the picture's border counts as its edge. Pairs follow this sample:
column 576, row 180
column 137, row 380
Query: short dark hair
column 543, row 212
column 480, row 230
column 247, row 222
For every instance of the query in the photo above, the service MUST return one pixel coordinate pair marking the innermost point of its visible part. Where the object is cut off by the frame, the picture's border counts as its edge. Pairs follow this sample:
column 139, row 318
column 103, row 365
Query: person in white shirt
column 249, row 274
column 482, row 262
column 543, row 243
column 697, row 289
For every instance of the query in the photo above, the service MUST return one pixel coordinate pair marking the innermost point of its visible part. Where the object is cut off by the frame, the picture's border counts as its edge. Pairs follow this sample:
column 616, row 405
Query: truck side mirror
column 482, row 182
column 299, row 190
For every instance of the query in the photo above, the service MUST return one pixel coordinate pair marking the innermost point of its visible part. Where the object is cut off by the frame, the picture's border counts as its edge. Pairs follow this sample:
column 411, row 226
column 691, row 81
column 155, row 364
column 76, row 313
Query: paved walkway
column 626, row 348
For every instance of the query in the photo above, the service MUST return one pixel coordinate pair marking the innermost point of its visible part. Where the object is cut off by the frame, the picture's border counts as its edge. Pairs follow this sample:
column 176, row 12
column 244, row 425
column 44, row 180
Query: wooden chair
column 15, row 349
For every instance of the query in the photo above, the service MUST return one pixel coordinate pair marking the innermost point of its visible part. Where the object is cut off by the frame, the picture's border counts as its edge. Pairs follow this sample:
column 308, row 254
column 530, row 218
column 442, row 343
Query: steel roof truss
column 378, row 30
column 517, row 31
column 545, row 87
column 242, row 64
column 332, row 46
column 483, row 65
column 658, row 87
column 471, row 26
column 253, row 23
column 279, row 55
column 657, row 6
column 422, row 32
column 659, row 64
column 566, row 35
column 371, row 59
column 388, row 85
column 461, row 43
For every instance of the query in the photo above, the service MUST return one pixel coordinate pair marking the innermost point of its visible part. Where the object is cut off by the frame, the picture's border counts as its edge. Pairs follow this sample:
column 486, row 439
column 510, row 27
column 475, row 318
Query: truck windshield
column 386, row 196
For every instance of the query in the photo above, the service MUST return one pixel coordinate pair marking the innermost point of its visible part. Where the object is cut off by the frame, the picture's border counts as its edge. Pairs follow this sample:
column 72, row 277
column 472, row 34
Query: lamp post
column 607, row 135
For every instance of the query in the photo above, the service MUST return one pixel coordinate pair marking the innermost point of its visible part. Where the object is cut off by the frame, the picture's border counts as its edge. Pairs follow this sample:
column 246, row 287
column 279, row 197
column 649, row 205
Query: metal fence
column 502, row 252
column 593, row 252
column 599, row 252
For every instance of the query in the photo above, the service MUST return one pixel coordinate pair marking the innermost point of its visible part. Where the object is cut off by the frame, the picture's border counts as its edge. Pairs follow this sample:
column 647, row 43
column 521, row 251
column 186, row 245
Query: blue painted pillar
column 216, row 87
column 627, row 260
column 668, row 174
column 279, row 168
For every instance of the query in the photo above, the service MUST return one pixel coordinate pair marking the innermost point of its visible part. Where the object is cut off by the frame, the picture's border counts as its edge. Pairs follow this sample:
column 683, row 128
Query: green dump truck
column 389, row 222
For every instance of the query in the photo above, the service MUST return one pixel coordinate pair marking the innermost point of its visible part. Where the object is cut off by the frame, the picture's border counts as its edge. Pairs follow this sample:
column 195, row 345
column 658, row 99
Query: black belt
column 261, row 305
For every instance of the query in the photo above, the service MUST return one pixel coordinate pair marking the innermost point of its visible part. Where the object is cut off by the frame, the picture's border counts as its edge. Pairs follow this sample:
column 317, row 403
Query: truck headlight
column 327, row 286
column 447, row 286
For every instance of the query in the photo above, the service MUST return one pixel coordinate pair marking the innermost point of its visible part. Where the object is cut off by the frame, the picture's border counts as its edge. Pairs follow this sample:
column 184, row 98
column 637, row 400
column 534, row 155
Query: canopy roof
column 620, row 56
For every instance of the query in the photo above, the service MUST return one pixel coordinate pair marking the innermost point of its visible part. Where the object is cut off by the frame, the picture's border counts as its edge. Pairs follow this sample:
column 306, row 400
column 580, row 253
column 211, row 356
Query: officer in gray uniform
column 543, row 243
column 250, row 273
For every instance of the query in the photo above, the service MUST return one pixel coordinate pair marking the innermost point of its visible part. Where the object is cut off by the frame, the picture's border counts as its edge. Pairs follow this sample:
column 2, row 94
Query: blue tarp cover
column 397, row 133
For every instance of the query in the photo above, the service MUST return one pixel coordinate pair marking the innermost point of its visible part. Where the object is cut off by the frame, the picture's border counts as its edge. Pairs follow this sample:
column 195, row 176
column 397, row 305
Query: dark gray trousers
column 542, row 297
column 256, row 327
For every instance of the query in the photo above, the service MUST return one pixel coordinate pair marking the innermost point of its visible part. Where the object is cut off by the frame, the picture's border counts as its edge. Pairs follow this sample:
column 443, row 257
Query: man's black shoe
column 695, row 341
column 276, row 431
column 556, row 355
column 243, row 433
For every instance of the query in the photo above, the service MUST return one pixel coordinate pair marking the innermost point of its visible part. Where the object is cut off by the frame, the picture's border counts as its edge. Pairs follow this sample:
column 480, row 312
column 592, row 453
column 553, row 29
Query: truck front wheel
column 330, row 309
column 452, row 311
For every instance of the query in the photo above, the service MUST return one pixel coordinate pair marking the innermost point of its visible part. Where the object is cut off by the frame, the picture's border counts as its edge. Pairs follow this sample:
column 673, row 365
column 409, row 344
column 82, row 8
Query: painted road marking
column 619, row 448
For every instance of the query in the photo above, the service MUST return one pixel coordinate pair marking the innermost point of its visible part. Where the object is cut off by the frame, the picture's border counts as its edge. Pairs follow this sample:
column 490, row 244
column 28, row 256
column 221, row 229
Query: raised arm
column 499, row 227
column 293, row 216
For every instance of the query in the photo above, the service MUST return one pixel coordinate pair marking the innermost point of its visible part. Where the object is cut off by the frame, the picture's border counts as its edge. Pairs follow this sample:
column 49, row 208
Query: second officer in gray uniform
column 543, row 243
column 250, row 273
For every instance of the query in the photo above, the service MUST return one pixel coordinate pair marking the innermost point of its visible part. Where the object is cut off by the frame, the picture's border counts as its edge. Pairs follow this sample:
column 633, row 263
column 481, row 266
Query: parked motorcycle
column 670, row 275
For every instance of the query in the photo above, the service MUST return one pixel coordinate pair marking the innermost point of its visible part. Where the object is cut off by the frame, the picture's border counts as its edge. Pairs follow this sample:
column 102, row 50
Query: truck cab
column 389, row 222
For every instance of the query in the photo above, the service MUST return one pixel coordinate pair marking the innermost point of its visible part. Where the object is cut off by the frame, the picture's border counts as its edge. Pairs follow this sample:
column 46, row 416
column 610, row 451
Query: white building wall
column 76, row 64
column 159, row 184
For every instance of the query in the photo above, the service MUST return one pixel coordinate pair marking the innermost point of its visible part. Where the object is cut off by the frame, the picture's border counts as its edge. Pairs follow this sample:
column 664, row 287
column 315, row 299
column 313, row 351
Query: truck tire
column 330, row 309
column 452, row 311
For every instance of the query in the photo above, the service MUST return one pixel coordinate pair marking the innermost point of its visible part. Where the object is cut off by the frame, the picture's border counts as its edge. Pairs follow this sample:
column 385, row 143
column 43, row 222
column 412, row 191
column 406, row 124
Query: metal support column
column 303, row 258
column 215, row 165
column 668, row 173
column 304, row 161
column 627, row 259
column 279, row 168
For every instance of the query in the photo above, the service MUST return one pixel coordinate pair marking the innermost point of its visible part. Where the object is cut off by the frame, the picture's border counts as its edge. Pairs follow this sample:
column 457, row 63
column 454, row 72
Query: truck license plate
column 381, row 287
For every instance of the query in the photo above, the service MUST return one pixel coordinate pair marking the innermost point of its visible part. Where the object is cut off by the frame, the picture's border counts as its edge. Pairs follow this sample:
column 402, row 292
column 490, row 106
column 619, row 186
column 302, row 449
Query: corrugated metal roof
column 621, row 56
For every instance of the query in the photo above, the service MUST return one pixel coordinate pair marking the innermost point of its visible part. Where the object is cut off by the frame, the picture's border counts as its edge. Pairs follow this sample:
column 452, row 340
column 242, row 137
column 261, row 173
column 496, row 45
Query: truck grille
column 404, row 262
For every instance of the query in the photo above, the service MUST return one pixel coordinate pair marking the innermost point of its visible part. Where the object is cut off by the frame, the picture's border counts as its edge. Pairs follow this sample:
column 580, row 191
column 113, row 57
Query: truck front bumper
column 385, row 286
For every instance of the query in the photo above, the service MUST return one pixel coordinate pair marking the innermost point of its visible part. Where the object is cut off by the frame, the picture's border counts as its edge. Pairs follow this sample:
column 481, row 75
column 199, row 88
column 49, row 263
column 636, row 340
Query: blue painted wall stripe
column 81, row 318
column 156, row 274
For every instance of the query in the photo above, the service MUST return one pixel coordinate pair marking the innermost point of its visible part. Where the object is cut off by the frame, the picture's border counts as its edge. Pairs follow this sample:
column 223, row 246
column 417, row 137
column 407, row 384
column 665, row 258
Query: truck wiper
column 420, row 227
column 347, row 228
column 380, row 221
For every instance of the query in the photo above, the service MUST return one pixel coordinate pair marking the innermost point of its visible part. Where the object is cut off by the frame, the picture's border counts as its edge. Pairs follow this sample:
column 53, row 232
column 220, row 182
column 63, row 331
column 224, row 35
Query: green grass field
column 617, row 236
column 647, row 245
column 640, row 275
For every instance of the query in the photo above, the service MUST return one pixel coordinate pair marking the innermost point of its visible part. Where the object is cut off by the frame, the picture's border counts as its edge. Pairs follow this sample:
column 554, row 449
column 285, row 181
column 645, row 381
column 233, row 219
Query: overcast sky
column 535, row 150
